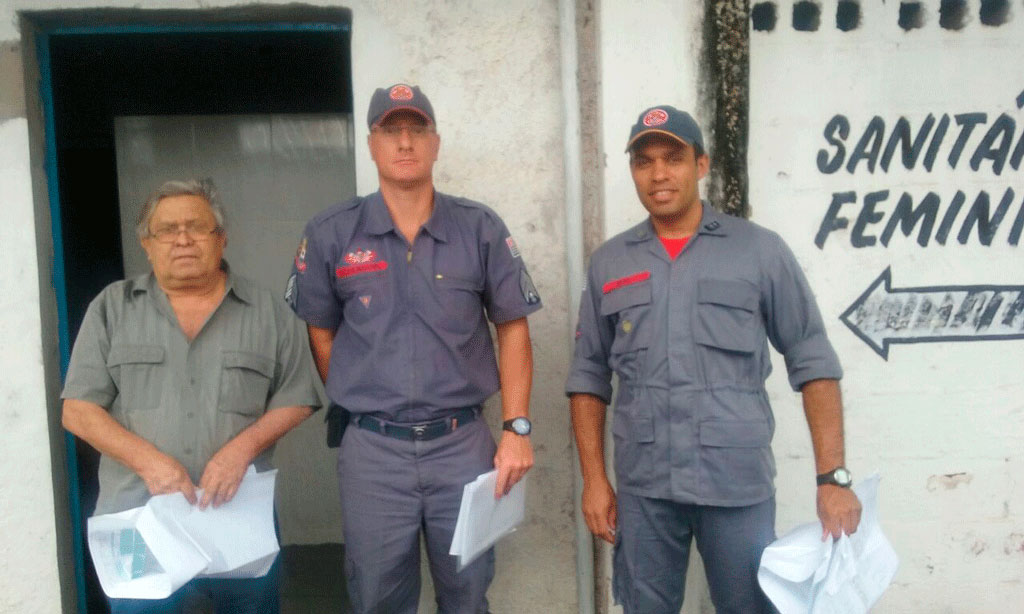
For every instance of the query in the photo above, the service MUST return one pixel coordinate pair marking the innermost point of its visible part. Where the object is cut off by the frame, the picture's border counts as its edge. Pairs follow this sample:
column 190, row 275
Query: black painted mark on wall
column 763, row 16
column 953, row 14
column 806, row 16
column 884, row 315
column 993, row 12
column 911, row 15
column 847, row 15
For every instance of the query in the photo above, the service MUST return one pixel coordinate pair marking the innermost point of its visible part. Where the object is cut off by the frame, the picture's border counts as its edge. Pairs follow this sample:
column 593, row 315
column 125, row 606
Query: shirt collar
column 233, row 285
column 379, row 222
column 711, row 223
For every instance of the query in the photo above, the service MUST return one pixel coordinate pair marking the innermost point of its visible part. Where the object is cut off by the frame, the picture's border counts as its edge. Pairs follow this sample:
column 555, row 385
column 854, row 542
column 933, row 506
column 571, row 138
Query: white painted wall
column 28, row 550
column 941, row 422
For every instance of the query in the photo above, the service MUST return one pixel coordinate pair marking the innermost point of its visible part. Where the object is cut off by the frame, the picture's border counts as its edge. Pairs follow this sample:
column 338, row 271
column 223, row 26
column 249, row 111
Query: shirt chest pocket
column 728, row 328
column 459, row 298
column 628, row 308
column 365, row 295
column 138, row 371
column 245, row 382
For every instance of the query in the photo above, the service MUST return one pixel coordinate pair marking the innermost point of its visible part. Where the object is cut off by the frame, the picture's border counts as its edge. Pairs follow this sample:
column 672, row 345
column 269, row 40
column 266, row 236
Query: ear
column 703, row 165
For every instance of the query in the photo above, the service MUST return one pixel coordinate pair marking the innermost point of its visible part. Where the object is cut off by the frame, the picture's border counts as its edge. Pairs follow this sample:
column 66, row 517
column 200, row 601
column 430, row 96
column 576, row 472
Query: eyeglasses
column 196, row 231
column 415, row 131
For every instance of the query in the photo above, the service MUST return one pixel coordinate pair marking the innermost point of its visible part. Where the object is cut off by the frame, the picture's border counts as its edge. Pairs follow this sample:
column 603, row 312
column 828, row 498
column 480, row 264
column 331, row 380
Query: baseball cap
column 668, row 120
column 398, row 97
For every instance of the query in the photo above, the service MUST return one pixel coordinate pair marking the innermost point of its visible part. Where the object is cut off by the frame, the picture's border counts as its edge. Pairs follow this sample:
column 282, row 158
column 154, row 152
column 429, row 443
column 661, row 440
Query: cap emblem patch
column 400, row 92
column 655, row 117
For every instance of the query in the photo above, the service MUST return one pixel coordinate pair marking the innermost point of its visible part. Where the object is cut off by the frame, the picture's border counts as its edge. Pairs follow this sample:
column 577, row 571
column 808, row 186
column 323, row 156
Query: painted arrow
column 884, row 315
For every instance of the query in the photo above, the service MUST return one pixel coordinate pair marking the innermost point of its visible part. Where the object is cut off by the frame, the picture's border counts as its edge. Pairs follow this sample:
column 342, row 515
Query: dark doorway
column 174, row 64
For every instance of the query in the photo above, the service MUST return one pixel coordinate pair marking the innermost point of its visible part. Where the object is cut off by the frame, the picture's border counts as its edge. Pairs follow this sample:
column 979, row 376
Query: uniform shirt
column 412, row 341
column 688, row 339
column 187, row 399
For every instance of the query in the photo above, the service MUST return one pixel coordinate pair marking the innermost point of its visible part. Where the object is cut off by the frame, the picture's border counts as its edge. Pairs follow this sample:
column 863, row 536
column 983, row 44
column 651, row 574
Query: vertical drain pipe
column 574, row 250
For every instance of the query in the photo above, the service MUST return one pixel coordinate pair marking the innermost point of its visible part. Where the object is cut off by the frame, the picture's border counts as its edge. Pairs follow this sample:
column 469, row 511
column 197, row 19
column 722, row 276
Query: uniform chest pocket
column 727, row 315
column 138, row 371
column 628, row 308
column 460, row 301
column 364, row 295
column 245, row 379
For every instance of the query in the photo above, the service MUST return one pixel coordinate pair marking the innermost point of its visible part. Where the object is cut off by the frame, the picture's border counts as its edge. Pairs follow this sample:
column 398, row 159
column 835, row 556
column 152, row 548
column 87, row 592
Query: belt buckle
column 418, row 430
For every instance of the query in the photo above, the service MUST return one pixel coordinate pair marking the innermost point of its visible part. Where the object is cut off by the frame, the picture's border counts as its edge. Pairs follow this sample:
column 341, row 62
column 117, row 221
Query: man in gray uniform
column 682, row 307
column 396, row 289
column 185, row 376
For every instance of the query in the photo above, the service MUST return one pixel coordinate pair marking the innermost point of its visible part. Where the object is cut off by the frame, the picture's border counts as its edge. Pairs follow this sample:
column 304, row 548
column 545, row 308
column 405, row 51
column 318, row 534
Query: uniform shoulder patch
column 529, row 291
column 512, row 247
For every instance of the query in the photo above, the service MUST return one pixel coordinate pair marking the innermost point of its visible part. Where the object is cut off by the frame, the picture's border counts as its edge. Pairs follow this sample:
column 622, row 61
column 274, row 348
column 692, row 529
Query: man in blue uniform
column 682, row 307
column 396, row 289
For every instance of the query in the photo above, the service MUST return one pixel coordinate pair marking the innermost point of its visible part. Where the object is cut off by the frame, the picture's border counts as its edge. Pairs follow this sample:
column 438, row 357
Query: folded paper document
column 483, row 520
column 151, row 551
column 802, row 574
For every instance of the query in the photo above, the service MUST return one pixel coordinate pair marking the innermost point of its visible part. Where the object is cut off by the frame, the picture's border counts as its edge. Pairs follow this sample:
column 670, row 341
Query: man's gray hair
column 203, row 188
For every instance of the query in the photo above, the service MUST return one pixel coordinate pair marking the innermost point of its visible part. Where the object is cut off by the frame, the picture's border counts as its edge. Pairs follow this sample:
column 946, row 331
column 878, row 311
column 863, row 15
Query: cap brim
column 389, row 112
column 649, row 131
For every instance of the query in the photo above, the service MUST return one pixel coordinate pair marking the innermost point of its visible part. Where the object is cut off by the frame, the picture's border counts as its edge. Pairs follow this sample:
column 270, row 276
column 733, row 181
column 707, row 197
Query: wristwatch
column 840, row 476
column 519, row 426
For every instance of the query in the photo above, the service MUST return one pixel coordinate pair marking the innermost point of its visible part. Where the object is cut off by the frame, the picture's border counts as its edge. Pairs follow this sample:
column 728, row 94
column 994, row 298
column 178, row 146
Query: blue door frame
column 53, row 195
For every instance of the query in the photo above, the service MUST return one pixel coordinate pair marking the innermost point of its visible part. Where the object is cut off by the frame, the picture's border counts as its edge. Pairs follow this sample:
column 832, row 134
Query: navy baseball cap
column 398, row 97
column 670, row 121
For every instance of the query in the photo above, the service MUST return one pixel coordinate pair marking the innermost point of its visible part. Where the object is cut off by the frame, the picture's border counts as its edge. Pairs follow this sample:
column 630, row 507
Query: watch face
column 521, row 426
column 842, row 476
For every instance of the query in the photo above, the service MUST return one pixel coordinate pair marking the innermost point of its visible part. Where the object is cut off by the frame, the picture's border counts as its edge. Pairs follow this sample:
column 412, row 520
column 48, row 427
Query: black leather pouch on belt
column 337, row 421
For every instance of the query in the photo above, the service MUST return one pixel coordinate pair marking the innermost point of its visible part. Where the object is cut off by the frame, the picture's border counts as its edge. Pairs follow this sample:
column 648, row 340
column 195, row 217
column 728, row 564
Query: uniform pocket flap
column 132, row 354
column 456, row 283
column 729, row 293
column 249, row 360
column 735, row 433
column 626, row 296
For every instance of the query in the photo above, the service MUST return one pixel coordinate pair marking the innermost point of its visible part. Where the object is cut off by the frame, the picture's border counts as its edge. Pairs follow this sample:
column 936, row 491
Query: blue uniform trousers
column 652, row 550
column 391, row 490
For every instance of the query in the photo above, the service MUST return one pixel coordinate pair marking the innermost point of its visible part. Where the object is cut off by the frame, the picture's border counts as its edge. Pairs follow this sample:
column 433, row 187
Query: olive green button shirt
column 187, row 398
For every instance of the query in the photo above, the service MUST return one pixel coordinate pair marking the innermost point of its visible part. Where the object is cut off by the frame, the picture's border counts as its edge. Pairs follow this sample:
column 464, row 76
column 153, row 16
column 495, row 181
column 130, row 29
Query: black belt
column 418, row 432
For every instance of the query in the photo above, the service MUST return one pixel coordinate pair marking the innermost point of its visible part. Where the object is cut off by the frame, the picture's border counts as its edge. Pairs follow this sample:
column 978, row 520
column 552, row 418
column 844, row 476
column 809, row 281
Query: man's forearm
column 823, row 408
column 320, row 342
column 588, row 416
column 270, row 427
column 515, row 368
column 95, row 425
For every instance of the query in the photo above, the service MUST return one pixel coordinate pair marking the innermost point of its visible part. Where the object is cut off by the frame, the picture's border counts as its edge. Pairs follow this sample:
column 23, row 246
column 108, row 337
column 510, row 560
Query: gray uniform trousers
column 652, row 550
column 390, row 490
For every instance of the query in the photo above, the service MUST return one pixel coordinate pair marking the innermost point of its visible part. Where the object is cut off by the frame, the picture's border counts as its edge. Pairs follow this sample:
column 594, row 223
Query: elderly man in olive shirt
column 185, row 376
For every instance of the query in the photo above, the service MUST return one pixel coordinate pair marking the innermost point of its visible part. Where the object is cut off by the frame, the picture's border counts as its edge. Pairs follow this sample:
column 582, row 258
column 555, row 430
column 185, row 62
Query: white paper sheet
column 151, row 551
column 483, row 520
column 802, row 574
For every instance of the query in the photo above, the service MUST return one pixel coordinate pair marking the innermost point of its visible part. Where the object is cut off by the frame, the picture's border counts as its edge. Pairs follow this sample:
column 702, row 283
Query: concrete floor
column 313, row 579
